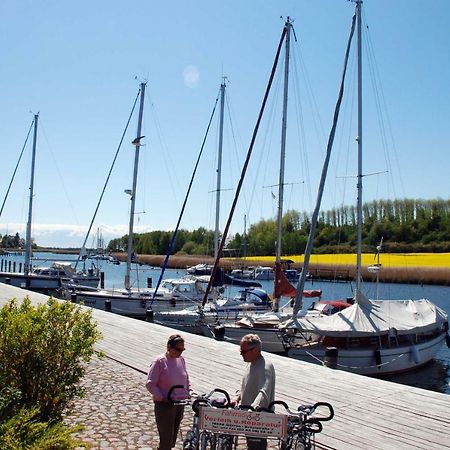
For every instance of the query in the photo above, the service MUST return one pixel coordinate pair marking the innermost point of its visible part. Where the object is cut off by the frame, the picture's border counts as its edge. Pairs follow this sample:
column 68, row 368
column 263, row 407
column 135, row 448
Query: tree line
column 408, row 225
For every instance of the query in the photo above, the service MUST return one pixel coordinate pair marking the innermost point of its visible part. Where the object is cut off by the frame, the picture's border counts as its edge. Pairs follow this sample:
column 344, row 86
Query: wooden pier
column 369, row 413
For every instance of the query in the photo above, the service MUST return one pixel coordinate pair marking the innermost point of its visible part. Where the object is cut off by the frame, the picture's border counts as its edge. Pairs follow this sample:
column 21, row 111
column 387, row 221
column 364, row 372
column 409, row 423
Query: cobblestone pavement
column 117, row 411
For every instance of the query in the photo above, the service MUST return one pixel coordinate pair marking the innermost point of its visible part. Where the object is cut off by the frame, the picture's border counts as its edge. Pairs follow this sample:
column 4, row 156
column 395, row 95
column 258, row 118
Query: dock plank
column 370, row 413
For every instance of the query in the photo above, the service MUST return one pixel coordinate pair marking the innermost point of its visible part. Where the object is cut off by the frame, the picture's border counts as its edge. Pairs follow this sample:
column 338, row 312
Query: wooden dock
column 369, row 413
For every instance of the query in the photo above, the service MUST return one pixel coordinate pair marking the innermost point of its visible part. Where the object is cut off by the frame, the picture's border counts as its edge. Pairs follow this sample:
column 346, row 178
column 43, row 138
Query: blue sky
column 76, row 63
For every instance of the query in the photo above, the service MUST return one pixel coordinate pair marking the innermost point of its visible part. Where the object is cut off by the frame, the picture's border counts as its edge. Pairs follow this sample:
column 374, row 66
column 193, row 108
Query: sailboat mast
column 219, row 168
column 27, row 264
column 133, row 192
column 359, row 141
column 288, row 27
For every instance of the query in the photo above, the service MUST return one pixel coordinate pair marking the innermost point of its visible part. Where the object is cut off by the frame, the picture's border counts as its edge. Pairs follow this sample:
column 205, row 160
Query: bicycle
column 196, row 439
column 303, row 425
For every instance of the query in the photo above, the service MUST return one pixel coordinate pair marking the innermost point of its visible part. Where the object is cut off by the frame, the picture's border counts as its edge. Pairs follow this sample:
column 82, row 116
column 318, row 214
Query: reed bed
column 414, row 268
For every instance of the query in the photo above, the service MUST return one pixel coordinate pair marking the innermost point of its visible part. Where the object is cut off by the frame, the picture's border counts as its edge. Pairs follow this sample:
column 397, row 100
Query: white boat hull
column 271, row 338
column 126, row 304
column 363, row 361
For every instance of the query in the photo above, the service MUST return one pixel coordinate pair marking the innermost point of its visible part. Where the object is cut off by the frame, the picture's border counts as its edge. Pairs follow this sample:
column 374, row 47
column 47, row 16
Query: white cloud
column 67, row 235
column 191, row 76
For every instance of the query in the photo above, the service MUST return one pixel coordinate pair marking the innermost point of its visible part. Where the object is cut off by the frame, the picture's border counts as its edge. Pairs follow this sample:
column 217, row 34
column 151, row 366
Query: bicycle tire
column 205, row 439
column 224, row 442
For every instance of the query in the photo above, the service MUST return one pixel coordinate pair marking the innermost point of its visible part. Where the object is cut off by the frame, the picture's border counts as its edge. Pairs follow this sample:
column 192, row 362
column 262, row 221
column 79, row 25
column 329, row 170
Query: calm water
column 435, row 376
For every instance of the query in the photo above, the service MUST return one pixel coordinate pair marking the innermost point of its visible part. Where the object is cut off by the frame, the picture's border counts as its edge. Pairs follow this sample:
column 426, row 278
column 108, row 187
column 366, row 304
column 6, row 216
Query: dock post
column 149, row 315
column 102, row 280
column 14, row 266
column 108, row 305
column 149, row 282
column 20, row 267
column 331, row 357
column 1, row 270
column 9, row 266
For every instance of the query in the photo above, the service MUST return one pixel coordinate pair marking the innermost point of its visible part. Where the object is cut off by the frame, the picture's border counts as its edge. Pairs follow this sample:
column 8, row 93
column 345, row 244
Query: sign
column 244, row 423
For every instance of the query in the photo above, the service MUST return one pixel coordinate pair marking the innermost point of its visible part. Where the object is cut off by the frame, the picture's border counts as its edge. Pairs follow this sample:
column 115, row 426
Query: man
column 258, row 383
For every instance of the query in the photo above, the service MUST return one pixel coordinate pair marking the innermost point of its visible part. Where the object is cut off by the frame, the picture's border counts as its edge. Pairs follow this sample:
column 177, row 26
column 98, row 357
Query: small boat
column 264, row 273
column 372, row 337
column 200, row 320
column 199, row 269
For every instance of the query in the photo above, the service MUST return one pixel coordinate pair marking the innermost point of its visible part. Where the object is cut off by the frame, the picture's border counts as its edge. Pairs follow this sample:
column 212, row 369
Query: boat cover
column 375, row 317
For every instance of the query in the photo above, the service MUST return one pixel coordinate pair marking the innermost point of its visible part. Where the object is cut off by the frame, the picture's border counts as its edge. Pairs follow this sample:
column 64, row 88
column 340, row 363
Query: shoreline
column 338, row 272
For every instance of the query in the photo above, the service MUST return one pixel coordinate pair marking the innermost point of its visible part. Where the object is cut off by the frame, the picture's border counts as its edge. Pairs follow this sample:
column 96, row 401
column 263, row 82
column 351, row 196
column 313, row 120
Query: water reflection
column 433, row 376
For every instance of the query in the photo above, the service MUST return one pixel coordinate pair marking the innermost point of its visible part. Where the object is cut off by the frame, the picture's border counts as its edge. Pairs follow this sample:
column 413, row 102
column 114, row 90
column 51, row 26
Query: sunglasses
column 243, row 352
column 179, row 350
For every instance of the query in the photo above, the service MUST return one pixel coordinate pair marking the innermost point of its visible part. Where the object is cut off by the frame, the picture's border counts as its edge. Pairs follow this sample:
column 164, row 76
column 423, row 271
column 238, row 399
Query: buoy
column 415, row 354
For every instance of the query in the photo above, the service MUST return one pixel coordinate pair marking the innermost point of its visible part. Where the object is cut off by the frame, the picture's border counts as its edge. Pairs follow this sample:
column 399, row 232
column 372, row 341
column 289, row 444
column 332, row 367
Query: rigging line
column 301, row 138
column 172, row 240
column 244, row 169
column 301, row 282
column 17, row 165
column 383, row 103
column 108, row 177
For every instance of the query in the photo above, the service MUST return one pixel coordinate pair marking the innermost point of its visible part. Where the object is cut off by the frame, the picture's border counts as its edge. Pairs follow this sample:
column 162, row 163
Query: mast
column 219, row 168
column 288, row 27
column 27, row 263
column 359, row 141
column 137, row 143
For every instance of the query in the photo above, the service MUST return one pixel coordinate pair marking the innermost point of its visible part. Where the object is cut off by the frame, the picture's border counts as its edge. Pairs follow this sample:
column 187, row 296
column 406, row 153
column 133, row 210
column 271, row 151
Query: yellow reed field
column 386, row 259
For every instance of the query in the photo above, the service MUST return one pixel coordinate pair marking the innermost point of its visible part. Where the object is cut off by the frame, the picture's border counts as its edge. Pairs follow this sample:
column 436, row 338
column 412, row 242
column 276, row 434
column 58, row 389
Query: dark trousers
column 168, row 419
column 256, row 444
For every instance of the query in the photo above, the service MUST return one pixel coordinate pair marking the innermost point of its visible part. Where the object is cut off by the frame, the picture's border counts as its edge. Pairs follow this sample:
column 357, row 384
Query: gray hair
column 252, row 340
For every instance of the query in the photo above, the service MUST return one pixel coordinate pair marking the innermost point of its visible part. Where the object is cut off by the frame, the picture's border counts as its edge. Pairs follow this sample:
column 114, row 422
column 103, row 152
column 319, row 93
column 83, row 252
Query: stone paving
column 117, row 411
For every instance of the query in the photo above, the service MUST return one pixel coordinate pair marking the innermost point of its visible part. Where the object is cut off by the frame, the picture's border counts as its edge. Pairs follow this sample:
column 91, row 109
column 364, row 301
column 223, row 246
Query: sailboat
column 266, row 323
column 371, row 337
column 45, row 279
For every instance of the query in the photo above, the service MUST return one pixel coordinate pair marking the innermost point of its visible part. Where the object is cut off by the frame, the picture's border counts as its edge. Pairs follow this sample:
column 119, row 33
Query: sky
column 79, row 64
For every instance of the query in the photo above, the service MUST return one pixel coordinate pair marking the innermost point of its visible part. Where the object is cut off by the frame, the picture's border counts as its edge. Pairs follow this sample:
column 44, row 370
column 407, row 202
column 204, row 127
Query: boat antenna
column 244, row 169
column 298, row 305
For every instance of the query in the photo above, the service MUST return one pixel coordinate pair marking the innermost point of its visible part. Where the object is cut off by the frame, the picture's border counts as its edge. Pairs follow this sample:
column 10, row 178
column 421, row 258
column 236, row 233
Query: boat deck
column 369, row 413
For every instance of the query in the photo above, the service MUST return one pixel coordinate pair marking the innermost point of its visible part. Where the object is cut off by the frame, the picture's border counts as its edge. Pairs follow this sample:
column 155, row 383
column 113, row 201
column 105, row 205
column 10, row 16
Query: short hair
column 174, row 339
column 252, row 340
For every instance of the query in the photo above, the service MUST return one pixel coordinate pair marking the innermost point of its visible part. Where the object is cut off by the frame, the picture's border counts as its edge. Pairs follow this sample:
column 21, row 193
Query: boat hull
column 127, row 304
column 272, row 339
column 365, row 361
column 32, row 282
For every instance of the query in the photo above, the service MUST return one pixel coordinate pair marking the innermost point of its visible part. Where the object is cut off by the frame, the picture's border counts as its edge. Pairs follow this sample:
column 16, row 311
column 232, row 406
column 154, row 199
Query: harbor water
column 434, row 376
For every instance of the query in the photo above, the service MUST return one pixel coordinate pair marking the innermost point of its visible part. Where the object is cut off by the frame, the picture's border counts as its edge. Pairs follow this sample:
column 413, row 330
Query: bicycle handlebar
column 309, row 410
column 178, row 402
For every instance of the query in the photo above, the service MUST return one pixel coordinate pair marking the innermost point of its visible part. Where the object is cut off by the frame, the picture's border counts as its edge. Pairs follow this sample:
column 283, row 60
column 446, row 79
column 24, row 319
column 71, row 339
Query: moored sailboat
column 45, row 279
column 371, row 337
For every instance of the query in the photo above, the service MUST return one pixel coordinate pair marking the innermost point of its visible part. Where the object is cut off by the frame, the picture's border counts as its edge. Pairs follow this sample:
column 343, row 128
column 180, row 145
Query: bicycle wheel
column 207, row 441
column 190, row 442
column 224, row 442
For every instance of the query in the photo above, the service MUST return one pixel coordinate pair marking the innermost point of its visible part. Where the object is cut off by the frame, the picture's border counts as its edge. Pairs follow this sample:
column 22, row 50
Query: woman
column 167, row 370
